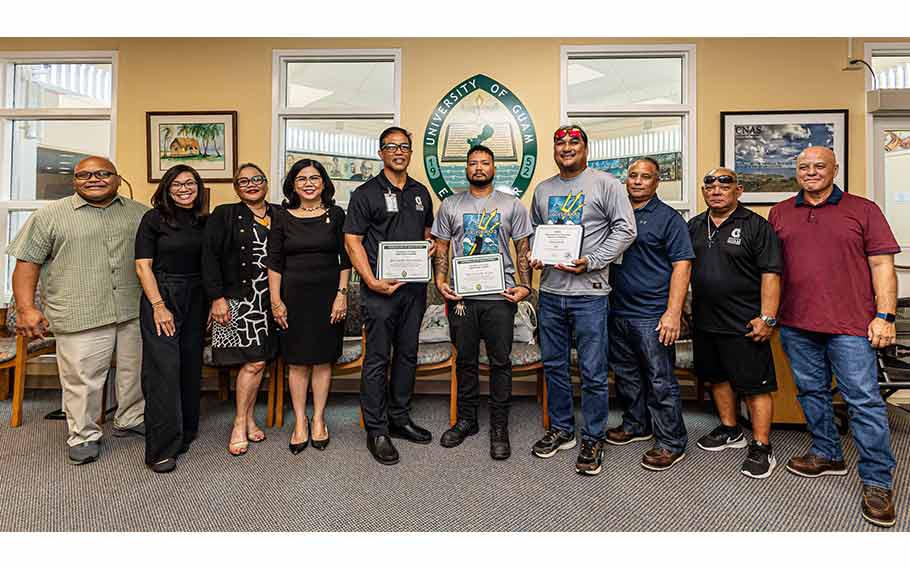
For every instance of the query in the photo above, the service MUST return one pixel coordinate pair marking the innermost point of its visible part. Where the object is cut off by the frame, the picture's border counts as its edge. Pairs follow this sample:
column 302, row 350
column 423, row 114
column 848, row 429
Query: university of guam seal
column 479, row 110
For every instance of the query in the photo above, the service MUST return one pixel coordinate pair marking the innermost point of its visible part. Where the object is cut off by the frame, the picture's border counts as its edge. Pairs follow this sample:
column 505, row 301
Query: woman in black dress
column 236, row 280
column 308, row 279
column 171, row 315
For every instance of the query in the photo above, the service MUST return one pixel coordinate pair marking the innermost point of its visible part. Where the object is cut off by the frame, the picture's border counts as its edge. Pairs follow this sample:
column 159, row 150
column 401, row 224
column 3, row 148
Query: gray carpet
column 432, row 489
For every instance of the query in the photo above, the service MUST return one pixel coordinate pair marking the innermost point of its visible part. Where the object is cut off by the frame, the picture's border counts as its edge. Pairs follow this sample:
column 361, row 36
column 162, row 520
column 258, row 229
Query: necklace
column 311, row 209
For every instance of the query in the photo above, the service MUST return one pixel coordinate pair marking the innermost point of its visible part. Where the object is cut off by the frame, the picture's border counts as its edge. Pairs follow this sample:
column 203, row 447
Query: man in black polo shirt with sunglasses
column 735, row 296
column 390, row 206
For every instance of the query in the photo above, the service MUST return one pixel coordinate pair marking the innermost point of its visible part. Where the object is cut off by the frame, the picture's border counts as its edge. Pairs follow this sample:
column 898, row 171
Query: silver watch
column 770, row 321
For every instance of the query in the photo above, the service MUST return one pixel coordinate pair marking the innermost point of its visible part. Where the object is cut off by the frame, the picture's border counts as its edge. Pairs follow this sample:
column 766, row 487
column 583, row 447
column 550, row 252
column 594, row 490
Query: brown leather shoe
column 619, row 437
column 659, row 459
column 811, row 465
column 878, row 507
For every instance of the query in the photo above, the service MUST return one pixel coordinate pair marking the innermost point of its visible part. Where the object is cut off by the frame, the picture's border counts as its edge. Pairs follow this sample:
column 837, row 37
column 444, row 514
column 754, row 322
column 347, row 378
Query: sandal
column 241, row 448
column 254, row 434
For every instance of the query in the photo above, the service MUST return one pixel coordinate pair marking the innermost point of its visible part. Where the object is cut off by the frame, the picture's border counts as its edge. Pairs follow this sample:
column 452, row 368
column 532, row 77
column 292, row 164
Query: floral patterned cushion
column 430, row 353
column 353, row 323
column 8, row 347
column 522, row 354
column 11, row 310
column 435, row 325
column 684, row 356
column 350, row 350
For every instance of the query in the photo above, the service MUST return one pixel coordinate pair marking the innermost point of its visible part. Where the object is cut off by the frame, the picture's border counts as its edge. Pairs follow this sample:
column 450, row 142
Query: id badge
column 391, row 203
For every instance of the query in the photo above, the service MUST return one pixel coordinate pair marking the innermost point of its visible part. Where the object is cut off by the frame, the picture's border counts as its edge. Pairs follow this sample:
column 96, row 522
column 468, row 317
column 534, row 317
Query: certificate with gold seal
column 478, row 274
column 557, row 244
column 405, row 261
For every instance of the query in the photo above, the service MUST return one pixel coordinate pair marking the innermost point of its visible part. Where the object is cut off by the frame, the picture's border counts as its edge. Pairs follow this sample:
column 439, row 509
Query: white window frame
column 281, row 113
column 686, row 110
column 7, row 113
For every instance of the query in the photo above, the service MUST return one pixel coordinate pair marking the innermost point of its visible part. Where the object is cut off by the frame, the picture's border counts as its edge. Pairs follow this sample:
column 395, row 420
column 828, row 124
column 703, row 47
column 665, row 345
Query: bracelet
column 276, row 306
column 528, row 288
column 158, row 303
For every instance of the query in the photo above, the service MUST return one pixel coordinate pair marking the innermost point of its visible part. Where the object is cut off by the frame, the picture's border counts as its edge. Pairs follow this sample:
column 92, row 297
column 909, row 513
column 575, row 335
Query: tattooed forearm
column 522, row 249
column 441, row 261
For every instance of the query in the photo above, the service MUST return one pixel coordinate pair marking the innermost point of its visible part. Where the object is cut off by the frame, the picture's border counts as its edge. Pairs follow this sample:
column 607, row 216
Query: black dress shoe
column 164, row 466
column 297, row 448
column 499, row 443
column 411, row 432
column 382, row 449
column 457, row 433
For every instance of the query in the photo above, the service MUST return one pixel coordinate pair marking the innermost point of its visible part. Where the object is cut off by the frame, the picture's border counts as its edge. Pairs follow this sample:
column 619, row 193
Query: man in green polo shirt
column 82, row 248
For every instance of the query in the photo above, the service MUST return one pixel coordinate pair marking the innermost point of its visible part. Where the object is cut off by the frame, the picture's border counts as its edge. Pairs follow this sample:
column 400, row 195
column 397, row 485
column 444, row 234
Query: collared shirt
column 827, row 283
column 369, row 217
column 86, row 253
column 641, row 281
column 728, row 267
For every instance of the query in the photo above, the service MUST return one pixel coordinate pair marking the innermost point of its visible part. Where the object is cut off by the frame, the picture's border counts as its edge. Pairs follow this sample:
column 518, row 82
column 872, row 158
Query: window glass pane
column 614, row 143
column 604, row 82
column 16, row 220
column 892, row 71
column 348, row 148
column 897, row 183
column 62, row 85
column 341, row 86
column 46, row 151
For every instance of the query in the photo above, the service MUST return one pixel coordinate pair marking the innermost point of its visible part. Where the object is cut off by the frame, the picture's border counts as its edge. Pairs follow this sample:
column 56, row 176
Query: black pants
column 391, row 322
column 493, row 322
column 172, row 366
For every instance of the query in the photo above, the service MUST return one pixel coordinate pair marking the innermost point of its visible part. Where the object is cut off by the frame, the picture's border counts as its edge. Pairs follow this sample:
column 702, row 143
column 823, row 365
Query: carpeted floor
column 432, row 489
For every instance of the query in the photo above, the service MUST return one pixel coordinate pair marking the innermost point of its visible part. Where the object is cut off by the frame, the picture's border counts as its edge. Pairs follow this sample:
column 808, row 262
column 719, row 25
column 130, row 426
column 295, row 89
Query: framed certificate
column 478, row 274
column 406, row 261
column 557, row 244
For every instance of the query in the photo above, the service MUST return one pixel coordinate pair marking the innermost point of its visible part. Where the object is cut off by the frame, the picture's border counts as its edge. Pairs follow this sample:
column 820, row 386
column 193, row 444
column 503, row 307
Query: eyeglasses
column 302, row 180
column 571, row 132
column 100, row 174
column 189, row 184
column 255, row 180
column 723, row 180
column 392, row 148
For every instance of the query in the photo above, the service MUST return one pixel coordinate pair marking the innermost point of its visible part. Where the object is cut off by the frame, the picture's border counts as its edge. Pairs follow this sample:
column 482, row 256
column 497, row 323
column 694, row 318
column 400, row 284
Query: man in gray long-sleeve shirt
column 574, row 297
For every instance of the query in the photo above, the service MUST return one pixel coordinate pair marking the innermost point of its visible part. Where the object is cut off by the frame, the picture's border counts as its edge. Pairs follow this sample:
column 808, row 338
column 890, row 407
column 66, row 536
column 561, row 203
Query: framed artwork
column 762, row 147
column 205, row 140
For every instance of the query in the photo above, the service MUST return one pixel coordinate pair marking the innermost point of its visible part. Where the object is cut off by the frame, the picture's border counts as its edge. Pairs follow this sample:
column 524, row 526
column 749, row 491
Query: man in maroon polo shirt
column 838, row 304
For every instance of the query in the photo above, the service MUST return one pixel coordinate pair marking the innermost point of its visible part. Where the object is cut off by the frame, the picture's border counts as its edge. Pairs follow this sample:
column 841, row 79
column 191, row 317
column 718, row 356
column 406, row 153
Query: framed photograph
column 205, row 140
column 762, row 147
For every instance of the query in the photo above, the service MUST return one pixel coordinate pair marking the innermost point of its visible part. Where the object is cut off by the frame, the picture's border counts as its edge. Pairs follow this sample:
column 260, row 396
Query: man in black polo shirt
column 391, row 206
column 735, row 296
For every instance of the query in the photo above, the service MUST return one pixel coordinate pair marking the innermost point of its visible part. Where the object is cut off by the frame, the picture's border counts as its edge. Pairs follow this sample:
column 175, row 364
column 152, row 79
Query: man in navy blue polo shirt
column 649, row 289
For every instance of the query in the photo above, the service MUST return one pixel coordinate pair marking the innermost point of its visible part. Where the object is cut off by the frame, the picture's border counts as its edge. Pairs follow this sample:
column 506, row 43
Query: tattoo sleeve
column 441, row 261
column 522, row 248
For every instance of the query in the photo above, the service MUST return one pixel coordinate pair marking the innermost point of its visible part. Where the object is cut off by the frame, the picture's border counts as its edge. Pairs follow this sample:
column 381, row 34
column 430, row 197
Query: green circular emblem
column 479, row 110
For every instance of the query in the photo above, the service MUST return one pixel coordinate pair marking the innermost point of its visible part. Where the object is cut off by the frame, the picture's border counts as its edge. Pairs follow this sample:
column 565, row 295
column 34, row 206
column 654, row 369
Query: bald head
column 721, row 191
column 95, row 179
column 721, row 172
column 816, row 168
column 95, row 163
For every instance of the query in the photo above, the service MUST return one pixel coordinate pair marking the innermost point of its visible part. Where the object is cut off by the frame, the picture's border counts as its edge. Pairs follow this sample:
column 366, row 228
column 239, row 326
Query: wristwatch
column 343, row 290
column 886, row 316
column 770, row 321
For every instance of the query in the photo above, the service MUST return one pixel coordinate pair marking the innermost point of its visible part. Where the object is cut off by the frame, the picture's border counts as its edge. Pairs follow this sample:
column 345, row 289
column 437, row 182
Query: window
column 331, row 106
column 55, row 109
column 636, row 101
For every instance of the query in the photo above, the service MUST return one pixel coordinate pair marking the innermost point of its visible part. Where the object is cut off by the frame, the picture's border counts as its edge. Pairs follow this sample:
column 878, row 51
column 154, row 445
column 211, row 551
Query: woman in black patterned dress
column 236, row 280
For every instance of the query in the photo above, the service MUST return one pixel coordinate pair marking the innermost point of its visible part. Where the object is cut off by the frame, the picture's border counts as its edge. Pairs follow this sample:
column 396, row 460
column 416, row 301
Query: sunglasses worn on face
column 723, row 180
column 255, row 180
column 570, row 132
column 100, row 174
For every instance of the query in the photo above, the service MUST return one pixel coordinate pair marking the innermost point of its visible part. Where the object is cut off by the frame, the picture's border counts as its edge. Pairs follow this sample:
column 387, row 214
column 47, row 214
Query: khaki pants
column 83, row 359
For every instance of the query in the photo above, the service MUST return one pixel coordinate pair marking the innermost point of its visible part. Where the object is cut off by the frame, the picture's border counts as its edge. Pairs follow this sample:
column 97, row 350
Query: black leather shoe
column 411, row 432
column 457, row 433
column 499, row 442
column 164, row 466
column 382, row 449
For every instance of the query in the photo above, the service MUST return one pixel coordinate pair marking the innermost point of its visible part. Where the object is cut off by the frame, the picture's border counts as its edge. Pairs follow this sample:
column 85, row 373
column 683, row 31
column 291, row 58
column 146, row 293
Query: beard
column 480, row 182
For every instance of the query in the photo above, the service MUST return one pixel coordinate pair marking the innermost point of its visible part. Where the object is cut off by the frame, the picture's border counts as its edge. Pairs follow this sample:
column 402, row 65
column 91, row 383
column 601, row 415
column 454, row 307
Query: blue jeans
column 587, row 317
column 645, row 383
column 813, row 357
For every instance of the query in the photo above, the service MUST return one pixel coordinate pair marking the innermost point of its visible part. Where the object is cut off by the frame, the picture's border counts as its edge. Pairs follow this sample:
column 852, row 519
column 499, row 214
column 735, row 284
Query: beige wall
column 235, row 74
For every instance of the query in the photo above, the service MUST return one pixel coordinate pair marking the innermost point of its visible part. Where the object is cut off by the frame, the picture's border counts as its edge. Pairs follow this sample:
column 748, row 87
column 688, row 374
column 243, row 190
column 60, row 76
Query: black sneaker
column 499, row 442
column 760, row 462
column 552, row 442
column 723, row 437
column 590, row 458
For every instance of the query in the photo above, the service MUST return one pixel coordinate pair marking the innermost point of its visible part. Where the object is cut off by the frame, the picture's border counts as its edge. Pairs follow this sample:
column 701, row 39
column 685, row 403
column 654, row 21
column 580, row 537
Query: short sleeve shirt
column 827, row 283
column 173, row 249
column 369, row 216
column 728, row 267
column 641, row 281
column 86, row 253
column 483, row 226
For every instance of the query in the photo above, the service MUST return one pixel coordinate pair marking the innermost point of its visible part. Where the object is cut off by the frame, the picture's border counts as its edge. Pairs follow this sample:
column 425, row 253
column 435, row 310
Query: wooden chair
column 15, row 352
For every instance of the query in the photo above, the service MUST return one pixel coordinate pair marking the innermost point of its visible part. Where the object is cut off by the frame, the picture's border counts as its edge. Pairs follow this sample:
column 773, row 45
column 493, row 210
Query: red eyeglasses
column 571, row 132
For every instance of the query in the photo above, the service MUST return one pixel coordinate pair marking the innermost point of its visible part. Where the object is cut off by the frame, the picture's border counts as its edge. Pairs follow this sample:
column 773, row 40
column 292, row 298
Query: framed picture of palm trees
column 205, row 140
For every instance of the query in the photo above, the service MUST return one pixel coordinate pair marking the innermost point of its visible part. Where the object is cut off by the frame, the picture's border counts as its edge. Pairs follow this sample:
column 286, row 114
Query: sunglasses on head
column 723, row 179
column 571, row 132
